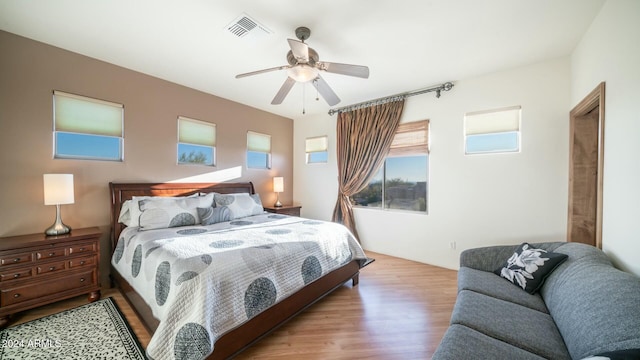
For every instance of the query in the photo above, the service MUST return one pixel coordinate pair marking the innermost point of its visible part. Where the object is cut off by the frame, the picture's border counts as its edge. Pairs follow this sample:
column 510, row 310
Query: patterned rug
column 96, row 330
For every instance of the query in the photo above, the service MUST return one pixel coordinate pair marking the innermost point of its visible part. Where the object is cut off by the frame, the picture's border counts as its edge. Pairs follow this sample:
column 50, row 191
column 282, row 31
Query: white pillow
column 160, row 213
column 240, row 204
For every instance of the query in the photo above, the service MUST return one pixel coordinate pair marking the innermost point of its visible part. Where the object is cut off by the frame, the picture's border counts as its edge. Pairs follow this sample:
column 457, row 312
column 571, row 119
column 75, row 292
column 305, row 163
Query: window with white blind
column 317, row 149
column 196, row 142
column 492, row 131
column 401, row 183
column 87, row 128
column 258, row 150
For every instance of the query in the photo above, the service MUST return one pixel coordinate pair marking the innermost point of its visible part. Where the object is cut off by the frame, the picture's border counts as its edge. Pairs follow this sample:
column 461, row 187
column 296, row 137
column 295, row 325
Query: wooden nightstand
column 37, row 269
column 292, row 210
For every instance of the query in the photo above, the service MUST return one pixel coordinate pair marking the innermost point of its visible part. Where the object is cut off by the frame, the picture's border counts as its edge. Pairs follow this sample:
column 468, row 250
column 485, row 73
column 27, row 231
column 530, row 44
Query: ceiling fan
column 305, row 66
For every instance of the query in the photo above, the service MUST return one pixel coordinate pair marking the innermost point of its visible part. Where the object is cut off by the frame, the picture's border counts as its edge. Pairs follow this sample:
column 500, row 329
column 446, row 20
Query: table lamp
column 278, row 187
column 58, row 190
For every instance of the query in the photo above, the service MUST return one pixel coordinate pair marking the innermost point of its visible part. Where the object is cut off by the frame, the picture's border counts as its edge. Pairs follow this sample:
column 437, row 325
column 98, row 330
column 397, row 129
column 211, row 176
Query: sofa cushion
column 594, row 305
column 518, row 325
column 489, row 284
column 463, row 343
column 528, row 267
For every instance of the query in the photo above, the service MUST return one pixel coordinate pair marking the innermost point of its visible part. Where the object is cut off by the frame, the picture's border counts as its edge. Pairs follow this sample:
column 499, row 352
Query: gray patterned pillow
column 241, row 204
column 529, row 267
column 214, row 215
column 130, row 211
column 160, row 213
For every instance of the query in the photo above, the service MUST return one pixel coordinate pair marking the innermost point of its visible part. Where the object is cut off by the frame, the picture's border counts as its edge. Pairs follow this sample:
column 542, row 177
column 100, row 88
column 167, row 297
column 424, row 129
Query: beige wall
column 30, row 71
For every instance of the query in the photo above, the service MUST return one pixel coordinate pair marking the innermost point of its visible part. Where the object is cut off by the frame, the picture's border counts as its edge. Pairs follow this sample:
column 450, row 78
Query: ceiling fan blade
column 284, row 90
column 327, row 94
column 300, row 50
column 344, row 69
column 262, row 71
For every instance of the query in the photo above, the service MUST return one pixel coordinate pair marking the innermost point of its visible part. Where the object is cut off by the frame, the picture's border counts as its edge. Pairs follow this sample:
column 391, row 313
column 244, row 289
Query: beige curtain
column 364, row 137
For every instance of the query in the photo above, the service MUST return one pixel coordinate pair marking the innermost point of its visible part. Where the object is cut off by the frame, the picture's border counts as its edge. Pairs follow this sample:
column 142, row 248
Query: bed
column 228, row 332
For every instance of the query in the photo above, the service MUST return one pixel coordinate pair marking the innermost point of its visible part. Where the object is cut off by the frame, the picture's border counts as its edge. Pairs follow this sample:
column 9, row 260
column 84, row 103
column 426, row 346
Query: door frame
column 595, row 99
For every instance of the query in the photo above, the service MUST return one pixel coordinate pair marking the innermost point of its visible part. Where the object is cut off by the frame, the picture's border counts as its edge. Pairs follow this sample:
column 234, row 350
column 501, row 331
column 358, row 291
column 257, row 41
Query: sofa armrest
column 492, row 257
column 486, row 258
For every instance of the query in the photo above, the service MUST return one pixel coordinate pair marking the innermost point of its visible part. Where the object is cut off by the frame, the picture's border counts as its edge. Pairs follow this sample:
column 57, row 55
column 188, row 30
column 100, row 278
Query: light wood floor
column 400, row 310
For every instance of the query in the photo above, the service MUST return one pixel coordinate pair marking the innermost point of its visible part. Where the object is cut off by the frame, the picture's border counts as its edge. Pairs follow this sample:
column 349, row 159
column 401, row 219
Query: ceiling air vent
column 244, row 25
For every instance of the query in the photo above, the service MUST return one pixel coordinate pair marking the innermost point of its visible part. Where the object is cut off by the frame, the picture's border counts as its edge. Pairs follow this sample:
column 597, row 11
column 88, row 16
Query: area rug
column 96, row 330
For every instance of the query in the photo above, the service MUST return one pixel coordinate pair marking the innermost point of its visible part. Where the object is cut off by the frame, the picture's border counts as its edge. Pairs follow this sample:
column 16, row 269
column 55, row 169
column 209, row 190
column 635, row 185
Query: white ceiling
column 407, row 45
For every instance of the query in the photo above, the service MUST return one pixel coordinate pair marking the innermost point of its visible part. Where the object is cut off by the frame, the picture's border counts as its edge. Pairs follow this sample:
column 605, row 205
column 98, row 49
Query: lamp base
column 58, row 228
column 278, row 203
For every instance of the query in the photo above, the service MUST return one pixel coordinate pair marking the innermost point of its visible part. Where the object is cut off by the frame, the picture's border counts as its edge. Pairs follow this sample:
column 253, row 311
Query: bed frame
column 257, row 327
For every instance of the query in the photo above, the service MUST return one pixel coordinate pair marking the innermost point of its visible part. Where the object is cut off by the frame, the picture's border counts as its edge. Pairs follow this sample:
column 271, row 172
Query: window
column 493, row 131
column 86, row 128
column 258, row 150
column 316, row 149
column 196, row 142
column 401, row 183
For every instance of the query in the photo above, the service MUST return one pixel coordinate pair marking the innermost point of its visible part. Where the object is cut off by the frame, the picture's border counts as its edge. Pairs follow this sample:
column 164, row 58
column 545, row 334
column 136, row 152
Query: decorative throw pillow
column 529, row 267
column 159, row 213
column 213, row 215
column 241, row 204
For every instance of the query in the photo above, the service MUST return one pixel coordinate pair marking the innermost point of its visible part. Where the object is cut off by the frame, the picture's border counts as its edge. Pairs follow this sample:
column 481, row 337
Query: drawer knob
column 81, row 249
column 16, row 295
column 82, row 262
column 16, row 259
column 51, row 268
column 16, row 275
column 51, row 253
column 81, row 279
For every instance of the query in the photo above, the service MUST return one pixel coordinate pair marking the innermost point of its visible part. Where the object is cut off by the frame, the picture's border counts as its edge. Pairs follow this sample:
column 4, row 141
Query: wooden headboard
column 120, row 192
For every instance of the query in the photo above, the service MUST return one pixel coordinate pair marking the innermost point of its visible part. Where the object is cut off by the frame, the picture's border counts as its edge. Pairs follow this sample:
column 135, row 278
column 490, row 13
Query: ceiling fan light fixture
column 302, row 73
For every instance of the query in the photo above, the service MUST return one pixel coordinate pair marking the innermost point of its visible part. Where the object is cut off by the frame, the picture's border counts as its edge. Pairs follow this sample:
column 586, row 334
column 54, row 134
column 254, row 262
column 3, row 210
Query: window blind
column 411, row 138
column 316, row 144
column 492, row 121
column 196, row 132
column 79, row 114
column 258, row 142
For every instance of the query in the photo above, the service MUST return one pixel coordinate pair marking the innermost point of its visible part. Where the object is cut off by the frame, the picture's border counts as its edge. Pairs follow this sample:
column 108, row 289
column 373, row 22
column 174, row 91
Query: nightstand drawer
column 291, row 210
column 29, row 292
column 49, row 253
column 82, row 248
column 85, row 261
column 16, row 274
column 49, row 268
column 13, row 259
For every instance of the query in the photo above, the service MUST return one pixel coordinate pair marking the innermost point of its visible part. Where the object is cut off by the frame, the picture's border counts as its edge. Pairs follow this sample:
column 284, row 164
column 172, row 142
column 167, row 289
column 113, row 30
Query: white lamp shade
column 278, row 184
column 58, row 189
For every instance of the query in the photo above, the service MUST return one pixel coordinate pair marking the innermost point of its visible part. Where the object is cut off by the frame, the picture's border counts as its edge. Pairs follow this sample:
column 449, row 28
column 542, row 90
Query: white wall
column 610, row 51
column 473, row 200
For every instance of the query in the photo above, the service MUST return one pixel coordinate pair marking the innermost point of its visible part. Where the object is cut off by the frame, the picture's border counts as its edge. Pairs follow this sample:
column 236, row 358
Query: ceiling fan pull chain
column 303, row 102
column 317, row 92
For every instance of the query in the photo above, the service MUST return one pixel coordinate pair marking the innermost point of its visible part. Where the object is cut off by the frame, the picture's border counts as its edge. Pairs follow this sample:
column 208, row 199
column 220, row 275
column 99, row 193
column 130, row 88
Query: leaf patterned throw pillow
column 529, row 267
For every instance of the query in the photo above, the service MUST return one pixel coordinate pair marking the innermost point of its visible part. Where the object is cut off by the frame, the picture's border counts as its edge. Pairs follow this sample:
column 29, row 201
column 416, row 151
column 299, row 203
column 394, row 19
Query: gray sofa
column 585, row 307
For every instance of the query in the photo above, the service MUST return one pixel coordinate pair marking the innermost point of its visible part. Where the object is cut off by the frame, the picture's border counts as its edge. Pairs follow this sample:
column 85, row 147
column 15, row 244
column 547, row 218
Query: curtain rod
column 438, row 89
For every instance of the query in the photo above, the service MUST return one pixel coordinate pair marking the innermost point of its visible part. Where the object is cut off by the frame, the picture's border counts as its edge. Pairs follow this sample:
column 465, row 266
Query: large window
column 493, row 131
column 258, row 150
column 316, row 149
column 196, row 142
column 401, row 183
column 86, row 128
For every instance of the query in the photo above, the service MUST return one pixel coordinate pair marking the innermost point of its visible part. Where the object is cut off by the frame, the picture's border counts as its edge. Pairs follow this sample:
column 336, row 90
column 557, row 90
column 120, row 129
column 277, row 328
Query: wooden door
column 585, row 169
